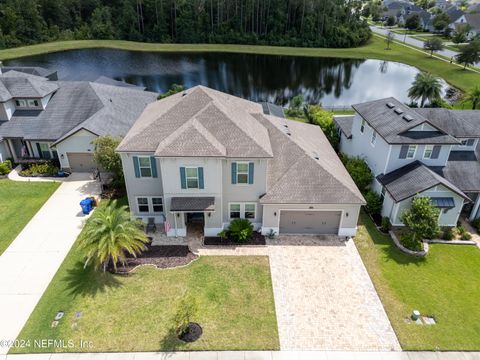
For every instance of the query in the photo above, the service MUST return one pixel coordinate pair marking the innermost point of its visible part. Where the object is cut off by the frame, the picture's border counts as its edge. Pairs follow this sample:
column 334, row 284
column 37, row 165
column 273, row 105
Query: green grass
column 375, row 49
column 134, row 313
column 19, row 202
column 444, row 284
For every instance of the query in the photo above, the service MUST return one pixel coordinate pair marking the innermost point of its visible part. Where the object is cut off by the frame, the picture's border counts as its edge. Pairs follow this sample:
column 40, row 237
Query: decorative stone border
column 451, row 242
column 420, row 253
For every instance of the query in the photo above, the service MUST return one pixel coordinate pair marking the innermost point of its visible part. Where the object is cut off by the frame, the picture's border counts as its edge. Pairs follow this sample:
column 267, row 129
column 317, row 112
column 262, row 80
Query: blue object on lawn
column 86, row 205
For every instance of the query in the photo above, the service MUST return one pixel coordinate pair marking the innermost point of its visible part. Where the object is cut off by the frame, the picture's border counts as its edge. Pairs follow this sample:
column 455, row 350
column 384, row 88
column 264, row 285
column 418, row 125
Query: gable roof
column 109, row 81
column 473, row 20
column 100, row 109
column 33, row 70
column 225, row 118
column 21, row 85
column 394, row 122
column 454, row 13
column 412, row 179
column 345, row 124
column 459, row 123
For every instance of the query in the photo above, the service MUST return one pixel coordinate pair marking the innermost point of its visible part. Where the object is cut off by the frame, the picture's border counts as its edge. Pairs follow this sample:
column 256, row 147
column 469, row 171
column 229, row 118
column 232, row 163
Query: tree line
column 309, row 23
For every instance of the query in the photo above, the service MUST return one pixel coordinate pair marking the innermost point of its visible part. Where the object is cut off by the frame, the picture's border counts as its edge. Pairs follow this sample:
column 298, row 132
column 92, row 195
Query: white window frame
column 373, row 140
column 428, row 148
column 362, row 126
column 464, row 142
column 247, row 173
column 140, row 167
column 149, row 204
column 21, row 103
column 254, row 211
column 31, row 103
column 414, row 152
column 196, row 178
column 153, row 205
column 242, row 210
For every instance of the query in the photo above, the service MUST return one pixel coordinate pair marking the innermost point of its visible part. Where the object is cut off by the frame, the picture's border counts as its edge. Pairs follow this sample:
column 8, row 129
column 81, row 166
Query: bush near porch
column 19, row 202
column 136, row 312
column 444, row 284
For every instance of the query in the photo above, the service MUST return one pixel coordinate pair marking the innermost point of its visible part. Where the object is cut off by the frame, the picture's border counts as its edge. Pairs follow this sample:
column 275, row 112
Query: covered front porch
column 193, row 216
column 19, row 149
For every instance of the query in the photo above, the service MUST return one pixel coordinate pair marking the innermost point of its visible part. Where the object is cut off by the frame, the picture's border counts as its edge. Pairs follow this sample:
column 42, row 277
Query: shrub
column 40, row 169
column 359, row 171
column 106, row 156
column 374, row 202
column 422, row 218
column 187, row 309
column 386, row 224
column 461, row 230
column 240, row 230
column 323, row 118
column 476, row 224
column 466, row 236
column 448, row 234
column 410, row 241
column 5, row 167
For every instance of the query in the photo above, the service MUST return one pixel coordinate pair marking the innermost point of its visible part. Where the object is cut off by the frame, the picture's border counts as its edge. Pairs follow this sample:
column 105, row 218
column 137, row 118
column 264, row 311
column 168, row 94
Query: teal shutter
column 153, row 163
column 251, row 166
column 136, row 166
column 234, row 172
column 183, row 178
column 201, row 184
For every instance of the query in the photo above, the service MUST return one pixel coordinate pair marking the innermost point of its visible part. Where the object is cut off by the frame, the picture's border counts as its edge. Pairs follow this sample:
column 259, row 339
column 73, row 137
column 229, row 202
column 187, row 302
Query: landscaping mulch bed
column 163, row 257
column 192, row 334
column 256, row 239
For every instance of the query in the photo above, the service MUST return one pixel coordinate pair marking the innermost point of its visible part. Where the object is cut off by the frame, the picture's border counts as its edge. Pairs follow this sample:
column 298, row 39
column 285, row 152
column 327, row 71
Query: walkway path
column 13, row 175
column 31, row 261
column 324, row 298
column 407, row 39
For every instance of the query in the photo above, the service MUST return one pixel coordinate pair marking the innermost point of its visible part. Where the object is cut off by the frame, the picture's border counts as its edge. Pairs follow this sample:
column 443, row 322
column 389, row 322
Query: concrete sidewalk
column 31, row 261
column 255, row 355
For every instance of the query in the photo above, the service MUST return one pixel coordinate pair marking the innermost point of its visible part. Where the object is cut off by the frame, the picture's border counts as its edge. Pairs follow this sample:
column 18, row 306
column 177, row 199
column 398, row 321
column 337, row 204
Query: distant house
column 417, row 152
column 401, row 11
column 473, row 20
column 47, row 119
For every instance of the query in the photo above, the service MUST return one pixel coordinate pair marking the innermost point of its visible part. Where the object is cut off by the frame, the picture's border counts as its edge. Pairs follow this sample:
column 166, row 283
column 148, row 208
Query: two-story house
column 209, row 156
column 417, row 152
column 48, row 119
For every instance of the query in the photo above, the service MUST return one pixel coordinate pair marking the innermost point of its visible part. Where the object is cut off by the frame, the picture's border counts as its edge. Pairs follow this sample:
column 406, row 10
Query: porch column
column 175, row 223
column 12, row 150
column 475, row 208
column 29, row 148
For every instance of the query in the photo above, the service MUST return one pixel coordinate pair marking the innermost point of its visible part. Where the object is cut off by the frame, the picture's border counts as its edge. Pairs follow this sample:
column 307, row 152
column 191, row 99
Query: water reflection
column 330, row 81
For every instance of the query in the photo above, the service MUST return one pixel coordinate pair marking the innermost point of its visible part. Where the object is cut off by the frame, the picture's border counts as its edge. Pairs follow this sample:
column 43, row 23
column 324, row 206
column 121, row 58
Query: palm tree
column 473, row 96
column 110, row 235
column 425, row 87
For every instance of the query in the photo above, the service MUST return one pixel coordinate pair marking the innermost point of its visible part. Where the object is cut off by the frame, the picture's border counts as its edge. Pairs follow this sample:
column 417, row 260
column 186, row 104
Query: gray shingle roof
column 345, row 124
column 109, row 81
column 33, row 70
column 473, row 20
column 101, row 109
column 19, row 85
column 393, row 127
column 226, row 118
column 459, row 123
column 192, row 203
column 412, row 179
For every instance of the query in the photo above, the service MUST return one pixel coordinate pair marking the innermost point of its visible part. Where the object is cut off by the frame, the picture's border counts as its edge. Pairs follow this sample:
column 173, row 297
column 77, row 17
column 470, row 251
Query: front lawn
column 134, row 313
column 444, row 284
column 19, row 202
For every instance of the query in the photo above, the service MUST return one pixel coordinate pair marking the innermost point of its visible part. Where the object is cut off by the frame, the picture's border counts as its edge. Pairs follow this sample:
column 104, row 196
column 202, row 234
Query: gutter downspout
column 175, row 222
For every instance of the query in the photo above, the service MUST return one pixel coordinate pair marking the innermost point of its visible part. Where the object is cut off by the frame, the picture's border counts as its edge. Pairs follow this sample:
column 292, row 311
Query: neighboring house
column 473, row 20
column 401, row 11
column 417, row 152
column 32, row 70
column 442, row 4
column 60, row 119
column 205, row 156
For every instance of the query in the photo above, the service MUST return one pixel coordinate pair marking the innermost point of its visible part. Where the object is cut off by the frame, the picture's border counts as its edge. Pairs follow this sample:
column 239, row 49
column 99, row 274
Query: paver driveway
column 324, row 298
column 31, row 261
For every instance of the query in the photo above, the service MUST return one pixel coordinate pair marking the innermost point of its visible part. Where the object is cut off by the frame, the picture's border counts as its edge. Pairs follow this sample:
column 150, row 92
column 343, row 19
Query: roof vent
column 390, row 105
column 286, row 125
column 184, row 94
column 407, row 118
column 398, row 111
column 315, row 155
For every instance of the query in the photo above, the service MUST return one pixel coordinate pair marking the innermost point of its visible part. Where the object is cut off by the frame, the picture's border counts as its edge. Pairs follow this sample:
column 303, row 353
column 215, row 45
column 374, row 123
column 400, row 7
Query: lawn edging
column 420, row 253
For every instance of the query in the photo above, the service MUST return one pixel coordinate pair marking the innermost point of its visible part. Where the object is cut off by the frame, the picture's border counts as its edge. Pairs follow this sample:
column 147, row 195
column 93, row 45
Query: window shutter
column 136, row 166
column 183, row 179
column 153, row 164
column 251, row 166
column 403, row 152
column 39, row 150
column 234, row 172
column 435, row 152
column 201, row 184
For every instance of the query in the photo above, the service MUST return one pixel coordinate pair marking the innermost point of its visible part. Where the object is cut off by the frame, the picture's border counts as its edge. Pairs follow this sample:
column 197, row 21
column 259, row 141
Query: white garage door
column 81, row 162
column 309, row 222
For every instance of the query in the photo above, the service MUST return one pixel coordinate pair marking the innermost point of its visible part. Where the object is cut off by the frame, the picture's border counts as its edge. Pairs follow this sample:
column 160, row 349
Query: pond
column 329, row 81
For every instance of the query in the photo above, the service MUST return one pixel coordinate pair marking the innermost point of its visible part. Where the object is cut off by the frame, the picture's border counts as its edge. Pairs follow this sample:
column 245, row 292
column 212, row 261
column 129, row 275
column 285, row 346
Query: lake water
column 329, row 81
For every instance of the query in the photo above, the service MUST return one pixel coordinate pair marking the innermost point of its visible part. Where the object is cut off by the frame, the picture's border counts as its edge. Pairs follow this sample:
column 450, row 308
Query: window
column 157, row 204
column 44, row 151
column 191, row 175
column 249, row 211
column 21, row 103
column 145, row 166
column 234, row 211
column 242, row 173
column 411, row 151
column 427, row 154
column 374, row 137
column 142, row 203
column 32, row 103
column 362, row 127
column 468, row 142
